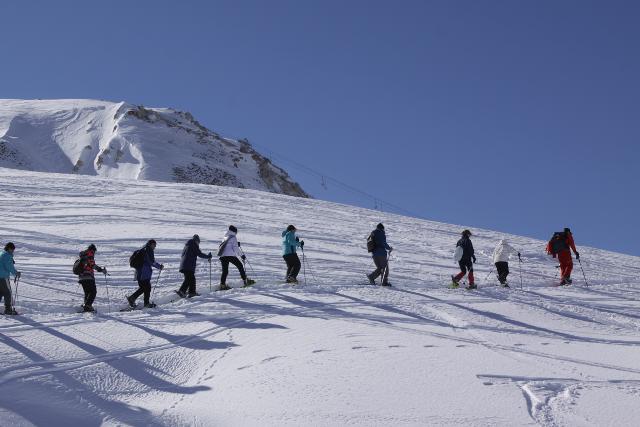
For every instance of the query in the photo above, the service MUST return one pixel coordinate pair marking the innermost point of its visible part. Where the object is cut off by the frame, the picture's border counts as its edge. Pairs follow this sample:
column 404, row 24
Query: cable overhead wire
column 378, row 203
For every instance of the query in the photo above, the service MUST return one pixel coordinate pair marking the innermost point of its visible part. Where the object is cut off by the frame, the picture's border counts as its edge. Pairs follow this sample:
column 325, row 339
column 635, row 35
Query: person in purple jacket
column 143, row 276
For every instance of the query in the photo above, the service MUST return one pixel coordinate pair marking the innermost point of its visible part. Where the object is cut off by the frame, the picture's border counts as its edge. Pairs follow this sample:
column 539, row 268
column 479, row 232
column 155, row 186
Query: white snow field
column 329, row 352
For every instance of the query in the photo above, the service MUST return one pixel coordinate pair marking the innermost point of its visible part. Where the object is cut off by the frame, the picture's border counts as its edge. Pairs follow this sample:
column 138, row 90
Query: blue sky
column 518, row 116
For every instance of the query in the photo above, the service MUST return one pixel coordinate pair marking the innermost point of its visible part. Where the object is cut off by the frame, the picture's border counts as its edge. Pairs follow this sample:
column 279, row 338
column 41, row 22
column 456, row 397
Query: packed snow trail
column 331, row 352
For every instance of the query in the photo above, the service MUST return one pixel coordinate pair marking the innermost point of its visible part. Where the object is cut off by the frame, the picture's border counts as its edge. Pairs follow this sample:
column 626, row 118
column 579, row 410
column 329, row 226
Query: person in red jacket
column 562, row 248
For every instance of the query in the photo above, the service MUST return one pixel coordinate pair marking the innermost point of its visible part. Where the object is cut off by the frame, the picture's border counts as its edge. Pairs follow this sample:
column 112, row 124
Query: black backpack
column 78, row 267
column 136, row 260
column 558, row 243
column 371, row 242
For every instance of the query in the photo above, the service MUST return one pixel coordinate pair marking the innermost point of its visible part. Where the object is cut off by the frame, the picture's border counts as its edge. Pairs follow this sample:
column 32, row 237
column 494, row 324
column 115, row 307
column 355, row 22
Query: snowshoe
column 249, row 282
column 386, row 284
column 505, row 285
column 454, row 284
column 88, row 309
column 150, row 305
column 10, row 312
column 132, row 302
column 223, row 287
column 371, row 281
column 292, row 280
column 193, row 294
column 181, row 294
column 470, row 287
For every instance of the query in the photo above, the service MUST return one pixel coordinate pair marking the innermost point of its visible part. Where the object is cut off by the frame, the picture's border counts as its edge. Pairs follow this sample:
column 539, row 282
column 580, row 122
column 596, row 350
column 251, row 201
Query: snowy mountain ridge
column 120, row 140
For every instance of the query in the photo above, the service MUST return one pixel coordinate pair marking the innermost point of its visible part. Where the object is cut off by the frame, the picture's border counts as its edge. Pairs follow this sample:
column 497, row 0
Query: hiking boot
column 371, row 281
column 10, row 312
column 88, row 309
column 292, row 280
column 132, row 302
column 471, row 286
column 193, row 294
column 505, row 285
column 150, row 305
column 386, row 284
column 223, row 287
column 568, row 280
column 248, row 282
column 181, row 294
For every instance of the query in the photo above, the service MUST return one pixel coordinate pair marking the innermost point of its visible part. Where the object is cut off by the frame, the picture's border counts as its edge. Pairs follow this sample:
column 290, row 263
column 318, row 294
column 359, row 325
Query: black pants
column 5, row 292
column 89, row 288
column 502, row 267
column 381, row 263
column 189, row 283
column 225, row 260
column 144, row 287
column 293, row 265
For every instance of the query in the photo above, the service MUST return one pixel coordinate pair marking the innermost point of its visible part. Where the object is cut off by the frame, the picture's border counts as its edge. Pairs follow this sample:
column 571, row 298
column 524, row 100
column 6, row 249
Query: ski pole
column 386, row 269
column 106, row 281
column 304, row 267
column 490, row 271
column 210, row 276
column 520, row 262
column 156, row 285
column 580, row 262
column 16, row 282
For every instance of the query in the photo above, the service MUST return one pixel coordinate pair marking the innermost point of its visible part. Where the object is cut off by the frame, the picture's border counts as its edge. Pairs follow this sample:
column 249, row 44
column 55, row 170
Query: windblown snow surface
column 331, row 351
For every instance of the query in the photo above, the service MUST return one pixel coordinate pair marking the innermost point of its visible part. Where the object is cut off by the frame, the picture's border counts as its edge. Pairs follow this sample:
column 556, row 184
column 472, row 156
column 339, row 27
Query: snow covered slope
column 119, row 140
column 331, row 352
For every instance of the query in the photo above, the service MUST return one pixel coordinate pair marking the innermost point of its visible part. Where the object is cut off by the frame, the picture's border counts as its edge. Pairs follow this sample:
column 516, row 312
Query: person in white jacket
column 229, row 252
column 501, row 255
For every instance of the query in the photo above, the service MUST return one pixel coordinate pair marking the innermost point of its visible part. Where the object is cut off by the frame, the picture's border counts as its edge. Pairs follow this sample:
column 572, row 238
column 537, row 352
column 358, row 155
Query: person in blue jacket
column 379, row 255
column 190, row 254
column 143, row 276
column 290, row 243
column 7, row 268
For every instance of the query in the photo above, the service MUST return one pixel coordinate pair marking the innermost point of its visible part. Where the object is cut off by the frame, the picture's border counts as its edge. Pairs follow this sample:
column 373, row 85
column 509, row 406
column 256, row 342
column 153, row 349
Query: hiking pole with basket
column 106, row 281
column 304, row 266
column 16, row 282
column 520, row 263
column 490, row 271
column 385, row 272
column 153, row 291
column 210, row 275
column 579, row 262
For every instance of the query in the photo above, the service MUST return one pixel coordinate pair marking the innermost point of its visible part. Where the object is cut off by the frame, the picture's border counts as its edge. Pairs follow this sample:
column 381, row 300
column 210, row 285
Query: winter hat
column 196, row 238
column 466, row 233
column 567, row 230
column 9, row 246
column 92, row 247
column 291, row 228
column 380, row 226
column 151, row 242
column 233, row 228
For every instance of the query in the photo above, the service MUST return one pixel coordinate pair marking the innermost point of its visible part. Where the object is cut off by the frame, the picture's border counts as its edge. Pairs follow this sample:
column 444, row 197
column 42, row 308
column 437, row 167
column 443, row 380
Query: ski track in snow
column 329, row 352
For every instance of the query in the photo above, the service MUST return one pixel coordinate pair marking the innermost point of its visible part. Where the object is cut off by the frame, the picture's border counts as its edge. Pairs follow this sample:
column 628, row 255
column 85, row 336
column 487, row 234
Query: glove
column 161, row 266
column 104, row 270
column 302, row 244
column 577, row 255
column 209, row 256
column 18, row 274
column 518, row 255
column 474, row 259
column 297, row 239
column 390, row 249
column 239, row 244
column 243, row 257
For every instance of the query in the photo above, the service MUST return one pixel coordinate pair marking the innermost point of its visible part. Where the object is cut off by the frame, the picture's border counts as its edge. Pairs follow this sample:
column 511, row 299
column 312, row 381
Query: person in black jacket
column 190, row 253
column 466, row 264
column 380, row 256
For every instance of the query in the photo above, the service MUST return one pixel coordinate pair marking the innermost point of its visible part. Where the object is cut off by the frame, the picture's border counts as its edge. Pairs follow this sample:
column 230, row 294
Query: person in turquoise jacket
column 290, row 243
column 7, row 268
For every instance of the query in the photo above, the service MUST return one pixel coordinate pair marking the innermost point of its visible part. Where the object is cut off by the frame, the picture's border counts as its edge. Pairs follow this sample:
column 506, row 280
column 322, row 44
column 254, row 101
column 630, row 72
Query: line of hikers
column 230, row 252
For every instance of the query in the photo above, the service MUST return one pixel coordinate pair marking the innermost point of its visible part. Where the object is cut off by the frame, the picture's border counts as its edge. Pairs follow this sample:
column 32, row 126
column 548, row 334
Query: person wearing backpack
column 143, row 260
column 377, row 245
column 228, row 253
column 7, row 268
column 86, row 276
column 290, row 243
column 465, row 263
column 501, row 255
column 190, row 255
column 560, row 246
